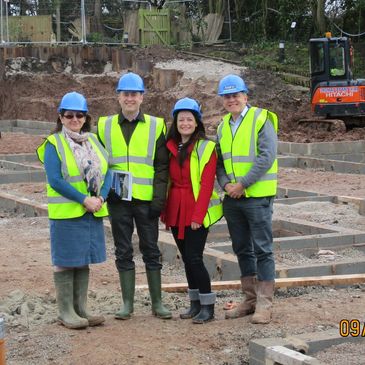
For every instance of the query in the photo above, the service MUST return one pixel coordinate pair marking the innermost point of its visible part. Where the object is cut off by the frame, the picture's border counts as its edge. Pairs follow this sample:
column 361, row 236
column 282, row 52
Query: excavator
column 338, row 100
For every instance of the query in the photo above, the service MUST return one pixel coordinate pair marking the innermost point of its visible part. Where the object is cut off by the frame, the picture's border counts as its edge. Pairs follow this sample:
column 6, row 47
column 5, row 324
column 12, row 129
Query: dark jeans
column 191, row 249
column 250, row 227
column 122, row 216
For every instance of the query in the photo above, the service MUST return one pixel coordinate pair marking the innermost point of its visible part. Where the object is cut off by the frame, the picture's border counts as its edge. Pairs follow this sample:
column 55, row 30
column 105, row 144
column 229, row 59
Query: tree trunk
column 97, row 25
column 318, row 16
column 216, row 7
column 264, row 18
column 58, row 21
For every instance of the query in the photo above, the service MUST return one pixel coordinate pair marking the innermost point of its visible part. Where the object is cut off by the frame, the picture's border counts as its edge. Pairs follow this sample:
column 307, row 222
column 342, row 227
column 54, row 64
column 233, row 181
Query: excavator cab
column 334, row 92
column 329, row 60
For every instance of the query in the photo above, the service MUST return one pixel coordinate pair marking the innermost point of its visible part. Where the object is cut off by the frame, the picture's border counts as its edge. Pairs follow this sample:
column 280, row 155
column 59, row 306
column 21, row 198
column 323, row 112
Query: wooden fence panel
column 30, row 28
column 154, row 27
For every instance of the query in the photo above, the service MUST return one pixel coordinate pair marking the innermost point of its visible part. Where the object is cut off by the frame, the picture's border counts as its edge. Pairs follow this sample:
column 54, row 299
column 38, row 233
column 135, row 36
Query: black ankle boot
column 206, row 314
column 192, row 311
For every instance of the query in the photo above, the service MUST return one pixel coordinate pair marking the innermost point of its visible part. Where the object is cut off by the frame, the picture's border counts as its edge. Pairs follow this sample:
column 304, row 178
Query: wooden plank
column 320, row 280
column 279, row 283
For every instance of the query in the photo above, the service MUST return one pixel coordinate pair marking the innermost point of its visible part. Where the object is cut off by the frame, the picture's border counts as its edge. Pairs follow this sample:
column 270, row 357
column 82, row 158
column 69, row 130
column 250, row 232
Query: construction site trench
column 319, row 224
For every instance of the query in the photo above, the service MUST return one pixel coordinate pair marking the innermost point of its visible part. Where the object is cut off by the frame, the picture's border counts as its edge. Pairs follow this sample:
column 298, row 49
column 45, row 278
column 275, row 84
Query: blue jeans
column 250, row 226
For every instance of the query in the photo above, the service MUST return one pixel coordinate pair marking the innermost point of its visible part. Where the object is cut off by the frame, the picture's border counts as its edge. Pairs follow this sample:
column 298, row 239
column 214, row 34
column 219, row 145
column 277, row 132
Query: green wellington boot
column 81, row 285
column 64, row 282
column 154, row 286
column 127, row 283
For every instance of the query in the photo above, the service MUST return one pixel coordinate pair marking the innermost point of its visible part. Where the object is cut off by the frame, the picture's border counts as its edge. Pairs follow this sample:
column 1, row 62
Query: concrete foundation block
column 287, row 161
column 362, row 207
column 284, row 356
column 316, row 341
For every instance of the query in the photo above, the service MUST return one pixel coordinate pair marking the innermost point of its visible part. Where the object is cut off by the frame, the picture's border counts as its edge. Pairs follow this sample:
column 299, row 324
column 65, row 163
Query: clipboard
column 122, row 184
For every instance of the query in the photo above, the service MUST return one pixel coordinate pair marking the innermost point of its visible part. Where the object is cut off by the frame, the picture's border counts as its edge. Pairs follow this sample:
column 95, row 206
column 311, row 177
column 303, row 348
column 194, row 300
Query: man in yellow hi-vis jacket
column 136, row 146
column 247, row 172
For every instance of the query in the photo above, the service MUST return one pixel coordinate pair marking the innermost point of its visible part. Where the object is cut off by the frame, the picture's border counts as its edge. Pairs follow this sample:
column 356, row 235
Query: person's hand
column 195, row 226
column 92, row 204
column 153, row 212
column 235, row 190
column 113, row 197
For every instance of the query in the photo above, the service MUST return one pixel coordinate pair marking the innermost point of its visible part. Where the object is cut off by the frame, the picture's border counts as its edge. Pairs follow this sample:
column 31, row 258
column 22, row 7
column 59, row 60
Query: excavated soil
column 27, row 298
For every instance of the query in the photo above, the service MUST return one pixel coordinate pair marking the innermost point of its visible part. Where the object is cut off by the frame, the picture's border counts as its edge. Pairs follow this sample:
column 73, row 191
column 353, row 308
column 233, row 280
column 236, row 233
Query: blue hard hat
column 73, row 101
column 187, row 104
column 130, row 82
column 231, row 84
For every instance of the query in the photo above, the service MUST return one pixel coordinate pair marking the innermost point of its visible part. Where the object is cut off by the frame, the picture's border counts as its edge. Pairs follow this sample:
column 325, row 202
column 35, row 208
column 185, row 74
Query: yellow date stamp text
column 351, row 327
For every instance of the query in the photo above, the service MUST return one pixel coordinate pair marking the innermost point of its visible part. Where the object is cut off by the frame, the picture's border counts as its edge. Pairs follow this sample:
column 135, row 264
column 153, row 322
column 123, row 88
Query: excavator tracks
column 327, row 125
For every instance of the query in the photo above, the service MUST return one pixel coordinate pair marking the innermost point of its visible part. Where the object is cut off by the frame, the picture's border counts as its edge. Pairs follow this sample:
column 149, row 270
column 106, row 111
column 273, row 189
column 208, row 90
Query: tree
column 22, row 7
column 97, row 24
column 318, row 14
column 264, row 17
column 58, row 19
column 157, row 3
column 216, row 7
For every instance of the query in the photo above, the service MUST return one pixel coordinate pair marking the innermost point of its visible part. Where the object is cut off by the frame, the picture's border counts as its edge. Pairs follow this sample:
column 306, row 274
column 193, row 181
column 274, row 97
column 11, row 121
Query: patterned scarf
column 86, row 158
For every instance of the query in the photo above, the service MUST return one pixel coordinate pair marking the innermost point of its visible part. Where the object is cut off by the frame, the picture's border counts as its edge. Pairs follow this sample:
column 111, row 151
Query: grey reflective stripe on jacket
column 214, row 202
column 64, row 169
column 100, row 146
column 108, row 136
column 200, row 151
column 252, row 152
column 59, row 199
column 201, row 148
column 142, row 181
column 266, row 177
column 134, row 159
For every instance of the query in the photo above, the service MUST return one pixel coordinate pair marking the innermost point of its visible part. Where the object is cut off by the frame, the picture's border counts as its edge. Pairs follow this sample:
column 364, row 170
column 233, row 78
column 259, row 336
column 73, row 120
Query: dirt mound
column 35, row 95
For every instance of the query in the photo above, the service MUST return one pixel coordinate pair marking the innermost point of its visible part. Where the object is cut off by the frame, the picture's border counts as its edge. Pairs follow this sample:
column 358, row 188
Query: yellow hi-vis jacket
column 239, row 152
column 60, row 207
column 138, row 156
column 200, row 156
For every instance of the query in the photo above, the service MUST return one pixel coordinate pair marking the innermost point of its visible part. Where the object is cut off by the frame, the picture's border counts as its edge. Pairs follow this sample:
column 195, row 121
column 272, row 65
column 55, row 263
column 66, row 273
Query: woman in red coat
column 191, row 192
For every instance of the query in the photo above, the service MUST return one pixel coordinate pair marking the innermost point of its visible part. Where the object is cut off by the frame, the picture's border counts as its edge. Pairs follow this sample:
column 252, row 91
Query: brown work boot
column 246, row 307
column 265, row 293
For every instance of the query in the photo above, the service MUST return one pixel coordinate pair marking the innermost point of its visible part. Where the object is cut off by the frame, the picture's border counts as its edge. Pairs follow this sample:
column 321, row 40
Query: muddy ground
column 31, row 89
column 27, row 298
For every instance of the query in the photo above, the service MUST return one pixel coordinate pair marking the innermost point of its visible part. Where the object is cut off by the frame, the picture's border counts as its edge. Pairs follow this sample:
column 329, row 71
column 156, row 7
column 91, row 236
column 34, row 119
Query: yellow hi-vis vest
column 137, row 157
column 60, row 207
column 239, row 152
column 200, row 156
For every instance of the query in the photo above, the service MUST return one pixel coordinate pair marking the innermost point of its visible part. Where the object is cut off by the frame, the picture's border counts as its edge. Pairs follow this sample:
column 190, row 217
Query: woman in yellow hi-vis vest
column 247, row 171
column 78, row 182
column 192, row 204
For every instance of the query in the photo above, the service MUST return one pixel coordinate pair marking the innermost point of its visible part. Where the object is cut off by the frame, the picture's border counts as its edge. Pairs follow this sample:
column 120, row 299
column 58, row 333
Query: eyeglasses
column 71, row 116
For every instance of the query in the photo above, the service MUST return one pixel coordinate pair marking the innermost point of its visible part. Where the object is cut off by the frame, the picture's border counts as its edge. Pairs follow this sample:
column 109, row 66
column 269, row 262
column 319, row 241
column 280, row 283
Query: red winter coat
column 181, row 208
